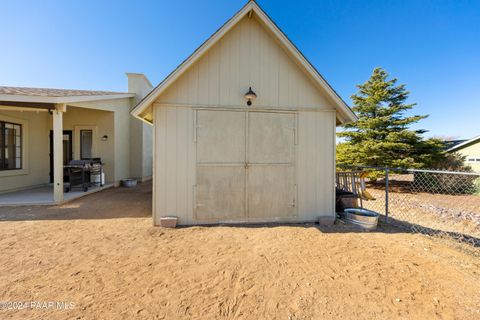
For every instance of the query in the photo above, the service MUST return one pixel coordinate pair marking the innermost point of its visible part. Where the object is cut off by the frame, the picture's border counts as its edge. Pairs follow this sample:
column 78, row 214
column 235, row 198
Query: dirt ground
column 442, row 212
column 102, row 255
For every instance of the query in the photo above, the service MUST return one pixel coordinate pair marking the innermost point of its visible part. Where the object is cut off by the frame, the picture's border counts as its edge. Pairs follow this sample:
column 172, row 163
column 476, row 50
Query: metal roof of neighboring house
column 448, row 144
column 19, row 96
column 464, row 143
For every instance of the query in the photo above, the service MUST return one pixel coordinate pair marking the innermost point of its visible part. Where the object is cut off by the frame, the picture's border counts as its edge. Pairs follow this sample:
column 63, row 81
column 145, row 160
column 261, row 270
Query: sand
column 102, row 254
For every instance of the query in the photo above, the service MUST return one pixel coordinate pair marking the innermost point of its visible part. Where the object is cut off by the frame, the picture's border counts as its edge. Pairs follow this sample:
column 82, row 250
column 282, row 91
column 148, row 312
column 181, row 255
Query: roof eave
column 67, row 99
column 464, row 144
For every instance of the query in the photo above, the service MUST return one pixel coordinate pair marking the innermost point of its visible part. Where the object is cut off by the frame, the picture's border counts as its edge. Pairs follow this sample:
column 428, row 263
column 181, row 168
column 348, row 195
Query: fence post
column 386, row 195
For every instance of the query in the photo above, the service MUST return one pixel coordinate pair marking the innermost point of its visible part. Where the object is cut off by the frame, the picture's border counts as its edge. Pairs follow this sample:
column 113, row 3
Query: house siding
column 246, row 56
column 36, row 144
column 471, row 151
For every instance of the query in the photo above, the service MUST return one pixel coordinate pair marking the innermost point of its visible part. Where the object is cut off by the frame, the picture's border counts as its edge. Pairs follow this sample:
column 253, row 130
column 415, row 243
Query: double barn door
column 245, row 165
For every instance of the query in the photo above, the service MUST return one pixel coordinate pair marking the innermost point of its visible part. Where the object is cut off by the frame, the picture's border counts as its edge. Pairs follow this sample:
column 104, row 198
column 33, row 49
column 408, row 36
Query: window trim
column 25, row 155
column 2, row 144
column 76, row 140
column 81, row 144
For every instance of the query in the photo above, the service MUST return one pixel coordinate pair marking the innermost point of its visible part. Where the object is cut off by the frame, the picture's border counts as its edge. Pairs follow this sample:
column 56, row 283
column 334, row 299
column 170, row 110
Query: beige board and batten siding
column 175, row 166
column 246, row 56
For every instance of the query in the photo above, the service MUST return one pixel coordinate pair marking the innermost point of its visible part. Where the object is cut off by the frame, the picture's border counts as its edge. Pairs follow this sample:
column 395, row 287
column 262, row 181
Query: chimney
column 139, row 84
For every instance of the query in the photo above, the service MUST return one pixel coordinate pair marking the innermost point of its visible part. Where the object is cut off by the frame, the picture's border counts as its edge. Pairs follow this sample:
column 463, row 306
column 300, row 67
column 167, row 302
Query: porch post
column 58, row 152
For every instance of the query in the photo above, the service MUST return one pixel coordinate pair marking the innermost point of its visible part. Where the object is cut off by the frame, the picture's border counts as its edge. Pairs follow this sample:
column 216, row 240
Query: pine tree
column 382, row 134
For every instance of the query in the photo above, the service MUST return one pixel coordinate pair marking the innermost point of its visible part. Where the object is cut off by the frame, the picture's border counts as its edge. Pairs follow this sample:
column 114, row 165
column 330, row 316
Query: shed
column 218, row 159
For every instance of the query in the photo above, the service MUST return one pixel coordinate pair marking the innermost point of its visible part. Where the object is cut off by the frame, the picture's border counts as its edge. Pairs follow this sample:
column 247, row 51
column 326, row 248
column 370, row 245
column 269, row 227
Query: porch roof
column 22, row 96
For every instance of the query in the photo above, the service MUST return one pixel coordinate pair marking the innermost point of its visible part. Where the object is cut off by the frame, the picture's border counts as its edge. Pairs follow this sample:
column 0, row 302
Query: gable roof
column 464, row 144
column 344, row 113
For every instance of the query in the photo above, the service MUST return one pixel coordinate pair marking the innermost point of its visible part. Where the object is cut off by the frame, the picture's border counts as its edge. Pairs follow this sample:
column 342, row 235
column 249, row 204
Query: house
column 43, row 129
column 244, row 130
column 470, row 149
column 447, row 144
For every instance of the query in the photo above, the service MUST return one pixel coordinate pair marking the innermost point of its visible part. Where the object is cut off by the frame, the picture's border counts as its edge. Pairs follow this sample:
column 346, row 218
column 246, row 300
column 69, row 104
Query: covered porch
column 42, row 130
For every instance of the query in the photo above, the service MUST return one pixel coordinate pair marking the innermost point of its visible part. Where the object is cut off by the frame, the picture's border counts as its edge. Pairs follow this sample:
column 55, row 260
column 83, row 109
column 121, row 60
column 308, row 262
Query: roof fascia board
column 95, row 98
column 143, row 120
column 16, row 105
column 44, row 99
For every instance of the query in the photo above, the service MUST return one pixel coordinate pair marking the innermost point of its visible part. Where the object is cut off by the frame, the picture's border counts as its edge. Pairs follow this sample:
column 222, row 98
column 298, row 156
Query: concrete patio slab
column 43, row 196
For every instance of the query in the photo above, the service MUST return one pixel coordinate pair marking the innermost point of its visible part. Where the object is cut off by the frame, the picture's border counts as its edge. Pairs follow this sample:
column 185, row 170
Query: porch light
column 250, row 96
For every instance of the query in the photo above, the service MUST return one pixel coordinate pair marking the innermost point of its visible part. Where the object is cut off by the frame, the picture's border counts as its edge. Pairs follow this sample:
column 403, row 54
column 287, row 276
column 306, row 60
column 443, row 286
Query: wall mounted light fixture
column 105, row 138
column 250, row 96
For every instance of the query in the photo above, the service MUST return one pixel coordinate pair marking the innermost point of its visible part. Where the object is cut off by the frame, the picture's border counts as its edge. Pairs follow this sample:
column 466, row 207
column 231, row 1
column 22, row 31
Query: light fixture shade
column 250, row 95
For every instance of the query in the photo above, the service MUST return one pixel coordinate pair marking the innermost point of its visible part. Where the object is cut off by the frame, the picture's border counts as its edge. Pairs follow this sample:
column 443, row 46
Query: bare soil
column 441, row 212
column 103, row 254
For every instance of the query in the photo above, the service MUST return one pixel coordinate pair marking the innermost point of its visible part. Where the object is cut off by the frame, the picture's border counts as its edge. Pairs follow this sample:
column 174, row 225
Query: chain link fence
column 437, row 203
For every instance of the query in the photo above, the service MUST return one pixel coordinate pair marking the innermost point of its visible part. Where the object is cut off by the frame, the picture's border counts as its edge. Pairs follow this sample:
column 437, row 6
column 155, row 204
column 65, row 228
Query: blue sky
column 433, row 46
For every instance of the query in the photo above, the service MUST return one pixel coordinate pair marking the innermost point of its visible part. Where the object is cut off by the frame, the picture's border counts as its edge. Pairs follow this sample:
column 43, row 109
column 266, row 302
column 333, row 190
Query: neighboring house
column 470, row 149
column 448, row 144
column 43, row 129
column 218, row 158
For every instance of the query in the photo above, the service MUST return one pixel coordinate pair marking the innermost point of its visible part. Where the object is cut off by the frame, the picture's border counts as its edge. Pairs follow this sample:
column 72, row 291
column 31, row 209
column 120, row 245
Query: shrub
column 446, row 183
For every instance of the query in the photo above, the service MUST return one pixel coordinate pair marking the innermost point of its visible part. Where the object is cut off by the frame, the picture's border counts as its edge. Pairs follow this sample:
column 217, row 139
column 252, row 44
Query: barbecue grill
column 84, row 173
